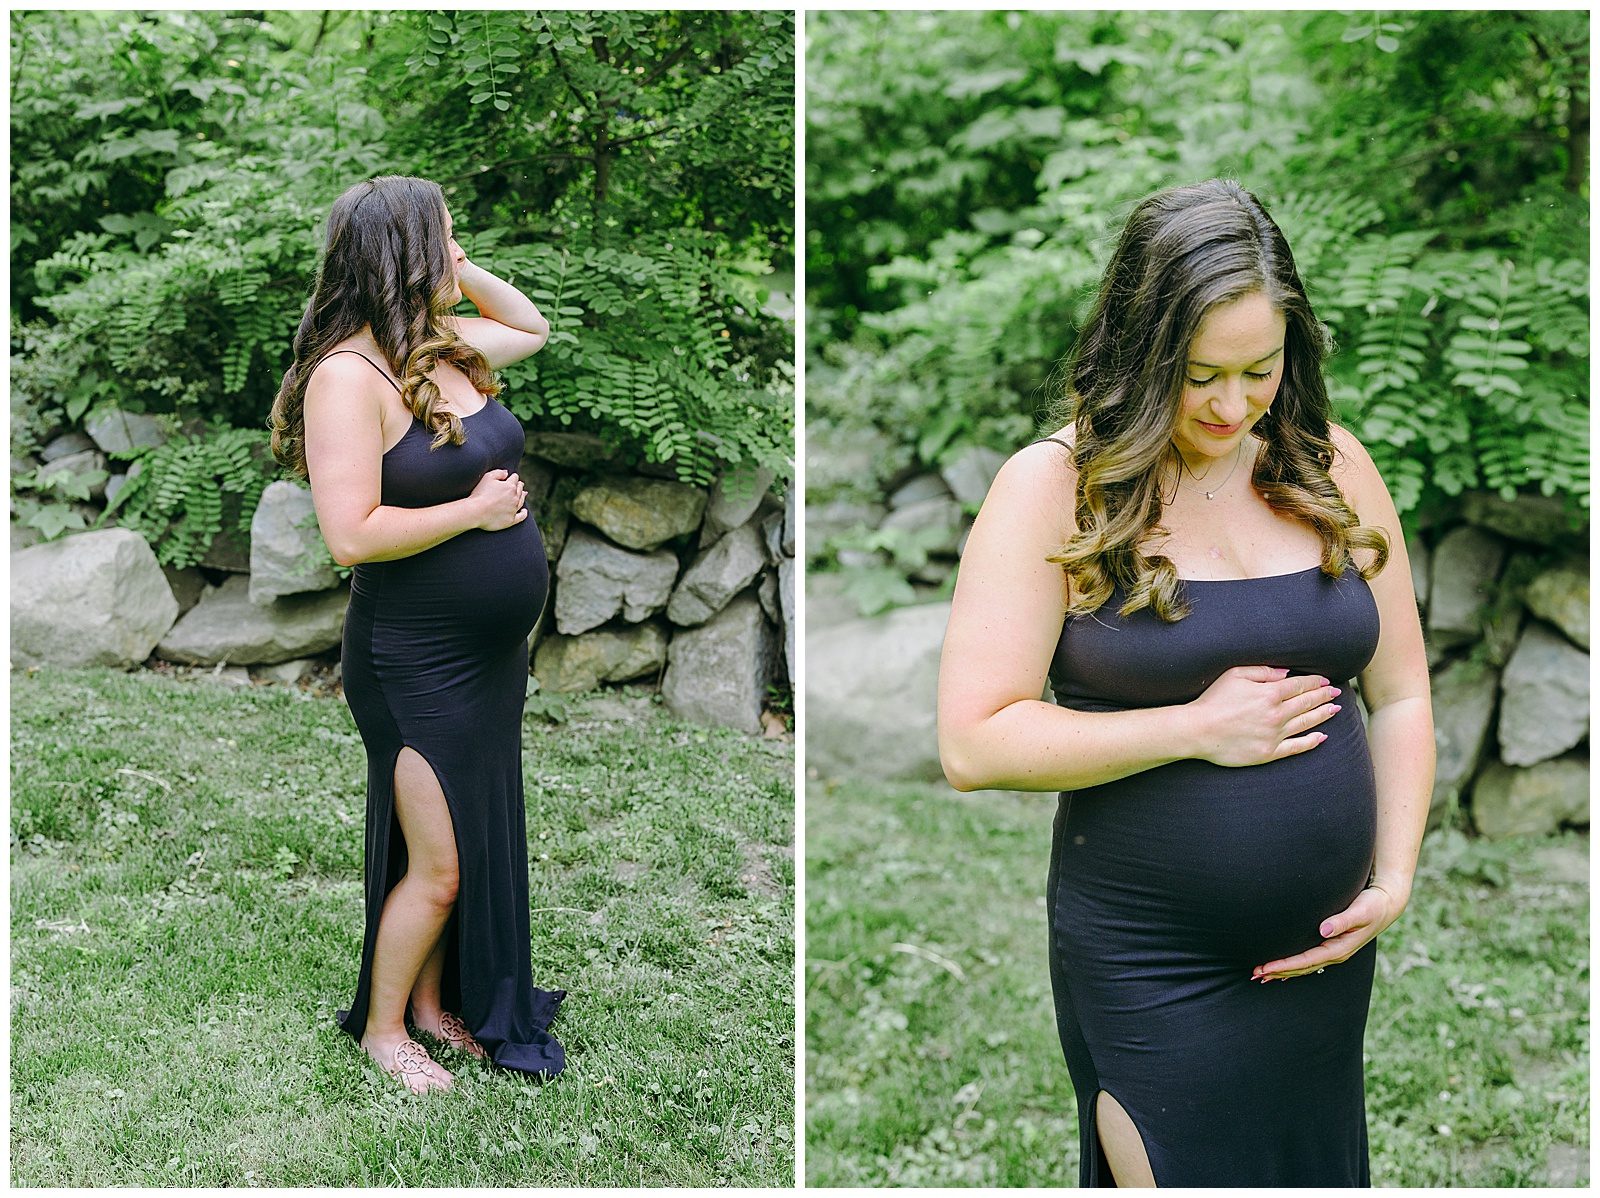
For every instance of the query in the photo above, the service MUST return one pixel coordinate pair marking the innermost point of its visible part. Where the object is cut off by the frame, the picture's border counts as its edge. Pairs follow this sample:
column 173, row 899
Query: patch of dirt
column 1567, row 1165
column 756, row 873
column 629, row 871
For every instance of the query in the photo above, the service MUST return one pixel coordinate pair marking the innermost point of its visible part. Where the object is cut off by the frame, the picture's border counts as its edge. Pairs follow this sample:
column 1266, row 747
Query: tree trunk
column 1578, row 126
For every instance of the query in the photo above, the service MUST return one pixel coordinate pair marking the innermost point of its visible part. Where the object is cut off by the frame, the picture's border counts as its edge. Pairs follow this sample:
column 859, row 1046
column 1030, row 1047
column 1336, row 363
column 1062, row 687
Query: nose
column 1231, row 405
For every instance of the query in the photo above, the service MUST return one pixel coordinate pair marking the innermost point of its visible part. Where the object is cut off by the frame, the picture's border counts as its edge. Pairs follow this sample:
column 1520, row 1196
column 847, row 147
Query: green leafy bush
column 968, row 169
column 178, row 495
column 631, row 171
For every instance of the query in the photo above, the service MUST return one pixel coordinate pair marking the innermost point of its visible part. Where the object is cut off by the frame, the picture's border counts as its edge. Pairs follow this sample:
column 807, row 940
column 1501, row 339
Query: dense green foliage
column 932, row 1057
column 186, row 906
column 630, row 171
column 967, row 171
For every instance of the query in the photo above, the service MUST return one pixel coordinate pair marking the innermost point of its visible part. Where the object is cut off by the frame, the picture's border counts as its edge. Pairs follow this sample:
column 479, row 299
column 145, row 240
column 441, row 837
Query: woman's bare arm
column 1399, row 730
column 344, row 461
column 510, row 326
column 1395, row 683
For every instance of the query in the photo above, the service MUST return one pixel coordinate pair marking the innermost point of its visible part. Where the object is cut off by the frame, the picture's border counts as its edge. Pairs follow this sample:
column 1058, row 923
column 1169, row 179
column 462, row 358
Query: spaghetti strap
column 368, row 361
column 1040, row 441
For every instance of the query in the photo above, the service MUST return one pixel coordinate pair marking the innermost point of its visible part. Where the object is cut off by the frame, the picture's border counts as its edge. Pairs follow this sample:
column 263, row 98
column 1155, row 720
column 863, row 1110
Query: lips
column 1220, row 430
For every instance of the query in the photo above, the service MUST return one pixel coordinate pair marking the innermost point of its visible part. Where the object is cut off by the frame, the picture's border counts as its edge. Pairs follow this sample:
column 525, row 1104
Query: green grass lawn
column 186, row 914
column 932, row 1056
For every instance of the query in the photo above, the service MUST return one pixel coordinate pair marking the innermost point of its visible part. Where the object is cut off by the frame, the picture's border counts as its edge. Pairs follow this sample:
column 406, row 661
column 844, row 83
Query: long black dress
column 1169, row 886
column 435, row 657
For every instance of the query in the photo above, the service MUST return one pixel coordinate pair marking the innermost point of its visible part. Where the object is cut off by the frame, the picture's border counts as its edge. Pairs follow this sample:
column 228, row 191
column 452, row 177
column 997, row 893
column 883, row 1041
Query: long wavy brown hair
column 385, row 265
column 1182, row 253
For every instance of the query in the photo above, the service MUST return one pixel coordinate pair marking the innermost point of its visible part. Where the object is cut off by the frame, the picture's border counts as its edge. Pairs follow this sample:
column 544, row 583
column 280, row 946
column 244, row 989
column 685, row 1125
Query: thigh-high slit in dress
column 1169, row 886
column 435, row 659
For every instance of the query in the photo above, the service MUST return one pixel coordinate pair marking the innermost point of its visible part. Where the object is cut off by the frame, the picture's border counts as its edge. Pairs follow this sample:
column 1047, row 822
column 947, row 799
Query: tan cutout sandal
column 454, row 1033
column 410, row 1060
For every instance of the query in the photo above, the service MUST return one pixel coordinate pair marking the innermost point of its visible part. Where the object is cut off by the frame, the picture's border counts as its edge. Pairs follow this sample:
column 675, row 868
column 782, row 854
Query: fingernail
column 1336, row 707
column 1337, row 691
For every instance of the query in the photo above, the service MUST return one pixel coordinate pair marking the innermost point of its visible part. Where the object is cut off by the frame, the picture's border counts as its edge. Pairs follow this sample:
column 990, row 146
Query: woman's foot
column 449, row 1028
column 402, row 1057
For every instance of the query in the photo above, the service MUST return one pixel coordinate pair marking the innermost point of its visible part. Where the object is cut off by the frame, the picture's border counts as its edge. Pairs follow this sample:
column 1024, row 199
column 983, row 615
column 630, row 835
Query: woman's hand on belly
column 1255, row 714
column 1373, row 910
column 500, row 495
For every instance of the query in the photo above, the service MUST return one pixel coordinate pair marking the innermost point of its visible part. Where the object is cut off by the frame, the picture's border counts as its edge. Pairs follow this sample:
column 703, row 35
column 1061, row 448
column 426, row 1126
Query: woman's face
column 457, row 257
column 1235, row 366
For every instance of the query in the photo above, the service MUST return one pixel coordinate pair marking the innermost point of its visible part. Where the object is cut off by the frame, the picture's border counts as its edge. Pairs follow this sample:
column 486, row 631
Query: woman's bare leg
column 1130, row 1167
column 414, row 915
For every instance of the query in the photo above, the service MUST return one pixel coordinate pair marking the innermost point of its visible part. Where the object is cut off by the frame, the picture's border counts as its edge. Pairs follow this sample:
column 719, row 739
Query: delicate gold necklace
column 1211, row 494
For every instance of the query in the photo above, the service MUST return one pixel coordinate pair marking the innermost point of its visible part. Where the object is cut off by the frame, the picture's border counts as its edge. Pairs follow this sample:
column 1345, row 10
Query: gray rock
column 26, row 464
column 554, row 528
column 772, row 537
column 716, row 576
column 187, row 584
column 919, row 489
column 845, row 458
column 971, row 472
column 95, row 599
column 116, row 431
column 287, row 556
column 287, row 673
column 1465, row 564
column 229, row 549
column 827, row 605
column 66, row 443
column 786, row 603
column 861, row 559
column 568, row 664
column 829, row 520
column 597, row 580
column 24, row 536
column 789, row 529
column 870, row 691
column 717, row 674
column 225, row 675
column 1500, row 633
column 1420, row 557
column 1544, row 706
column 1463, row 707
column 934, row 573
column 574, row 451
column 1531, row 802
column 82, row 462
column 641, row 513
column 226, row 626
column 734, row 500
column 537, row 479
column 767, row 592
column 927, row 518
column 114, row 484
column 1561, row 596
column 1538, row 519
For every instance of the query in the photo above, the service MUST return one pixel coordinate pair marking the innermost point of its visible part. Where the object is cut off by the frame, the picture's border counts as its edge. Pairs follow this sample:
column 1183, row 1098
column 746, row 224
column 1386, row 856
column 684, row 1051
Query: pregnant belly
column 1241, row 864
column 488, row 585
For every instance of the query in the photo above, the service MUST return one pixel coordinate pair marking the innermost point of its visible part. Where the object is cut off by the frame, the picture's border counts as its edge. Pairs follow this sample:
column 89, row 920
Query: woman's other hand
column 1255, row 714
column 1373, row 910
column 500, row 496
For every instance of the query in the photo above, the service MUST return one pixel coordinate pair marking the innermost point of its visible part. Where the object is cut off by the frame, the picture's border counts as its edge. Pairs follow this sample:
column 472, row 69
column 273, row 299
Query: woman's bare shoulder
column 1035, row 490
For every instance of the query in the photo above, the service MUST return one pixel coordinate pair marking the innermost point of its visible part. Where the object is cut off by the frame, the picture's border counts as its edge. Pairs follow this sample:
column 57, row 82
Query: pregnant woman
column 389, row 410
column 1200, row 563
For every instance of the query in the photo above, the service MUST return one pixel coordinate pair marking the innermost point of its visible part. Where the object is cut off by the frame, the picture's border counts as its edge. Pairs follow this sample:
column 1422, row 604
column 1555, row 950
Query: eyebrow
column 1257, row 362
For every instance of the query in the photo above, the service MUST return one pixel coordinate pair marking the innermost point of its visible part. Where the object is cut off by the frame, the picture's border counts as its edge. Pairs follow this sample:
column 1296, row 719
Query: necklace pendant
column 1208, row 494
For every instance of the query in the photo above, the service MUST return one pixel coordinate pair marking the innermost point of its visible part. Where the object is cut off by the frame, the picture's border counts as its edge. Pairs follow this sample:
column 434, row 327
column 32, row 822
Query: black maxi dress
column 1169, row 886
column 435, row 657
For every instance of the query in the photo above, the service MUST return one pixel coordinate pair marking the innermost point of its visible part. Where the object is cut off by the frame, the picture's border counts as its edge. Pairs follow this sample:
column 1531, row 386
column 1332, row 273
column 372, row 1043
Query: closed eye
column 1247, row 374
